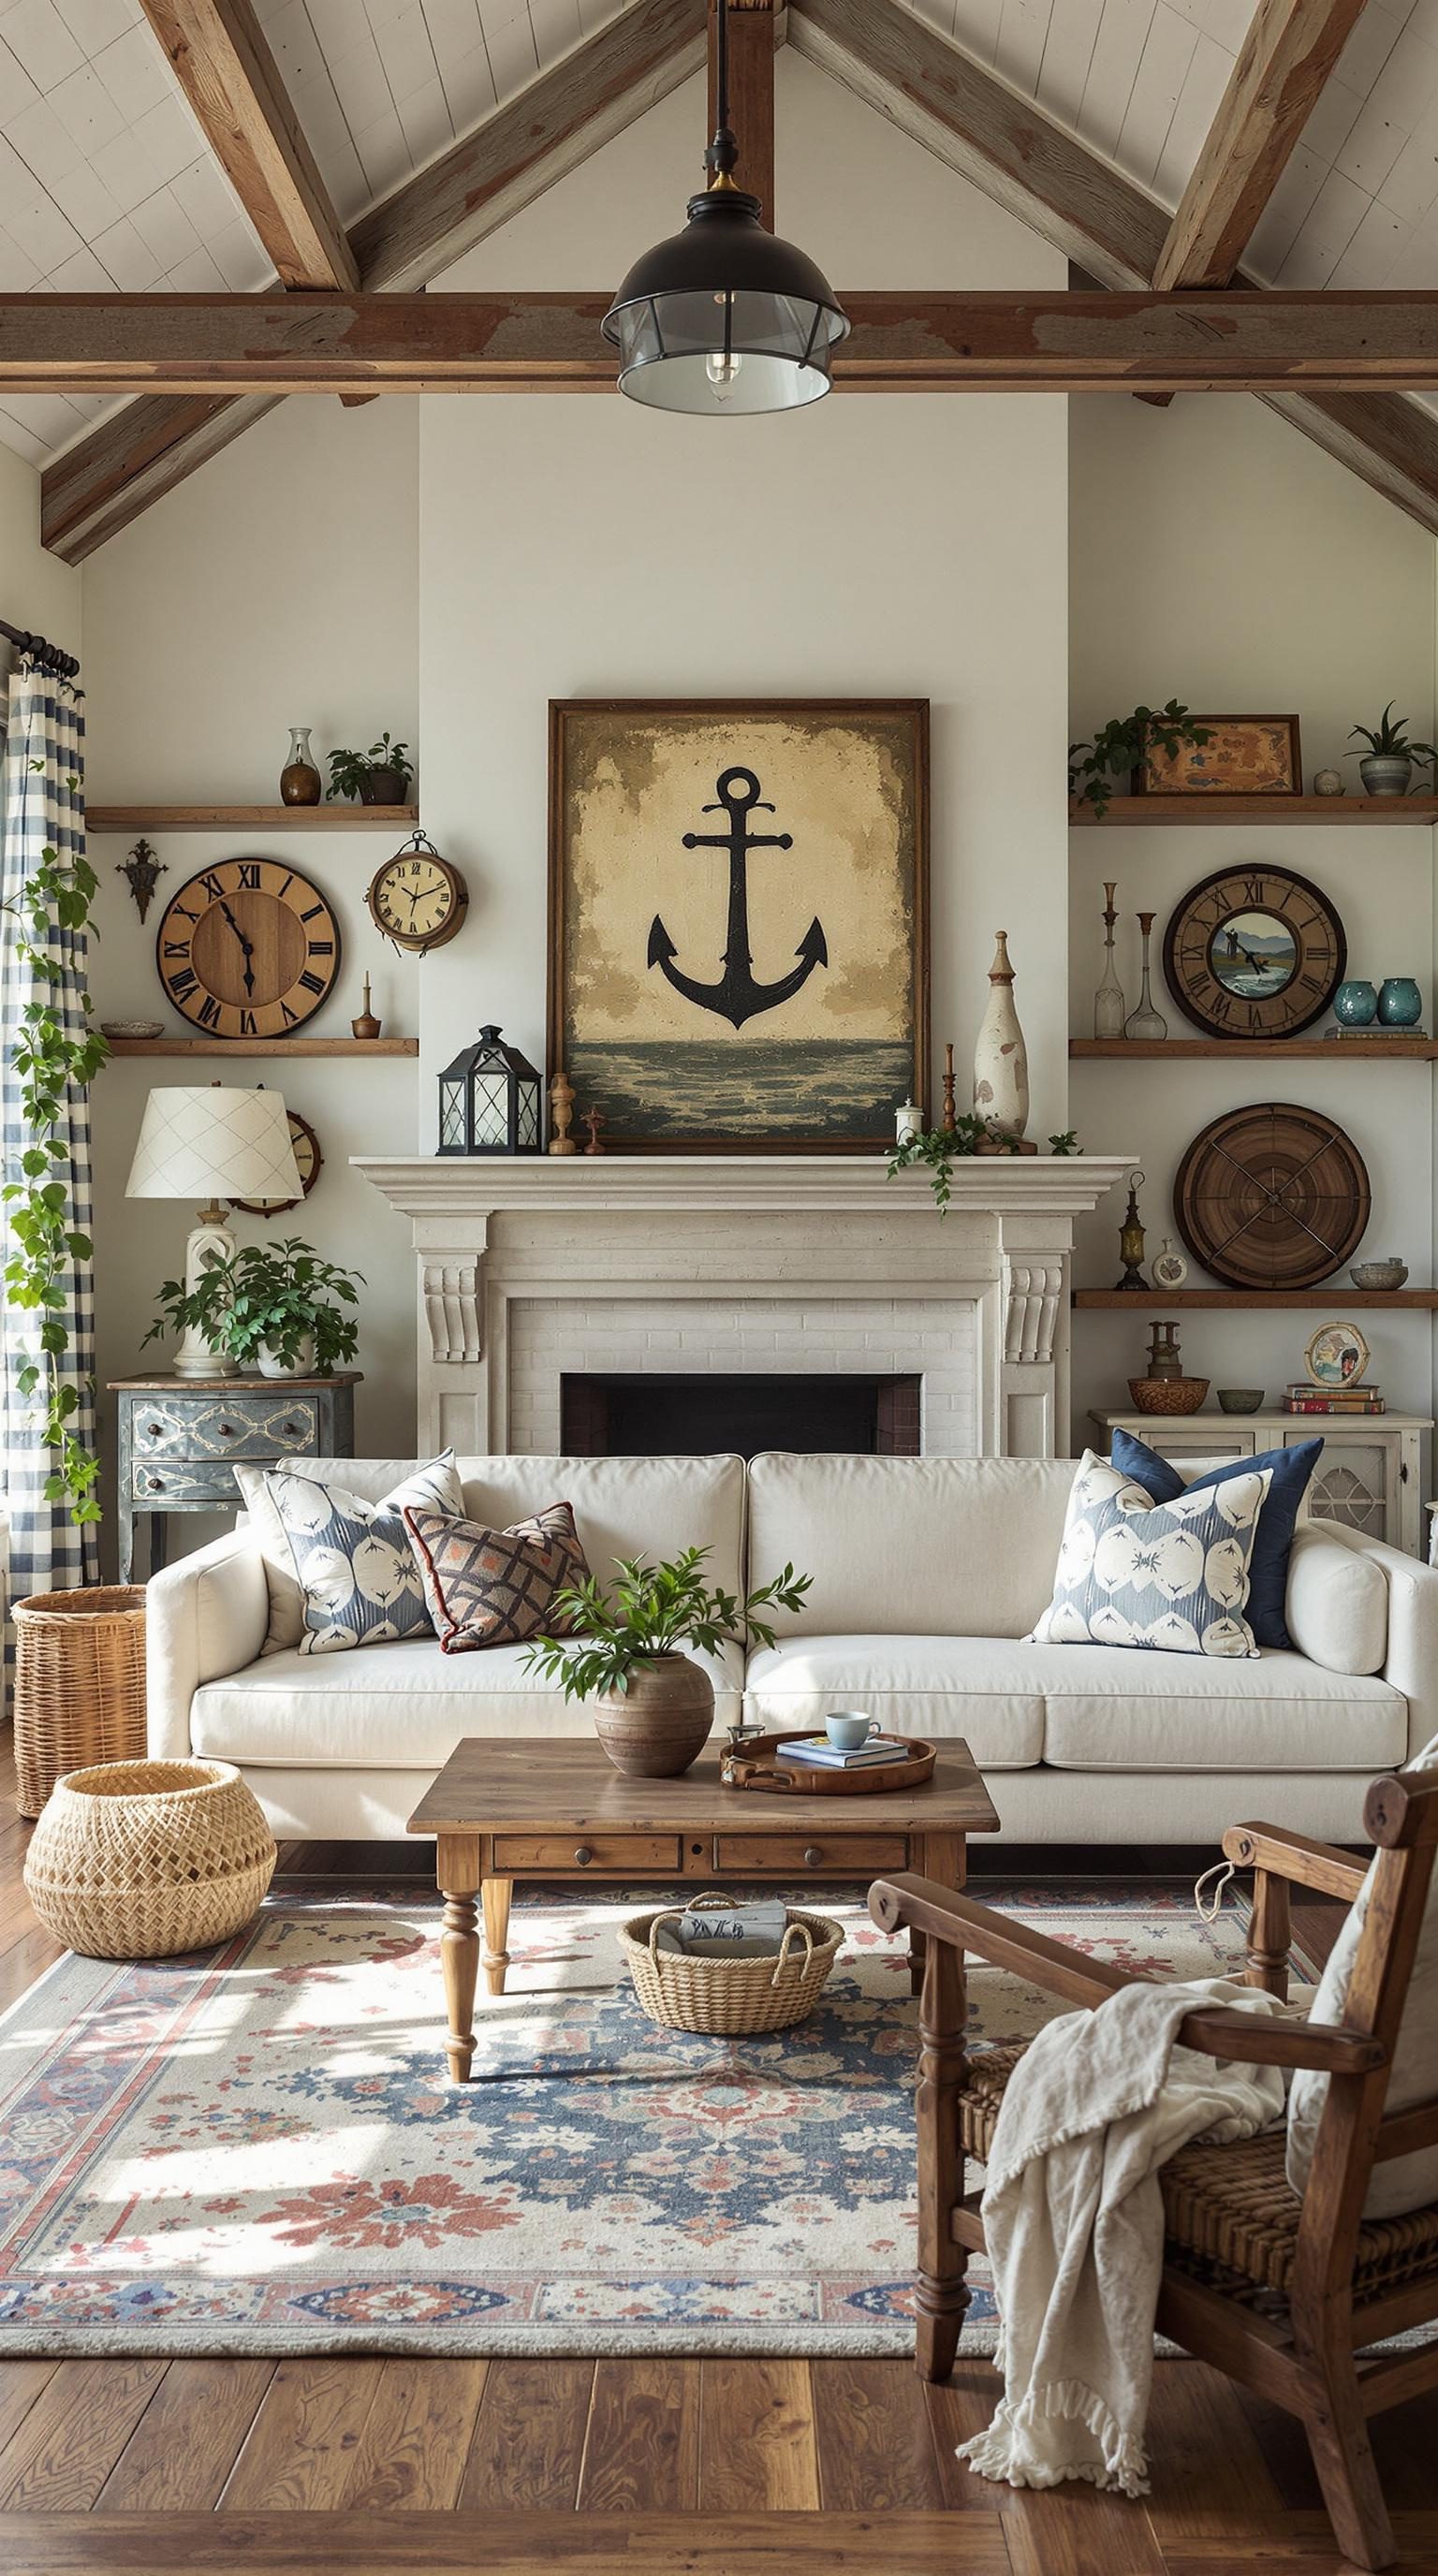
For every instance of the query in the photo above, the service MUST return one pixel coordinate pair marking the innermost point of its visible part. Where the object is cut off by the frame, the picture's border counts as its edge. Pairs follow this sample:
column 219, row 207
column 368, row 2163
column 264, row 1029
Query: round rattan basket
column 730, row 1998
column 79, row 1684
column 138, row 1860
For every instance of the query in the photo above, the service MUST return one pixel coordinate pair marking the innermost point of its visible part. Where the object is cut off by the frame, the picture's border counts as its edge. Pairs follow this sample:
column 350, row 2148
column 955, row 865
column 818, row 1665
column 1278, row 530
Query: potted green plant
column 1120, row 748
column 270, row 1309
column 1387, row 767
column 653, row 1707
column 379, row 776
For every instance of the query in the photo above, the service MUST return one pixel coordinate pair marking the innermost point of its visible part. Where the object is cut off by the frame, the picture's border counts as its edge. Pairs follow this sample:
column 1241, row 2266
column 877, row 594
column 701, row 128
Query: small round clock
column 417, row 898
column 309, row 1162
column 1254, row 952
column 248, row 948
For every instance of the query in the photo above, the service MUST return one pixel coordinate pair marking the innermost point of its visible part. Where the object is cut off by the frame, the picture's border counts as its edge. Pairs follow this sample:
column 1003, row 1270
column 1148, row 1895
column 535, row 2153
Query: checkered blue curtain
column 42, row 805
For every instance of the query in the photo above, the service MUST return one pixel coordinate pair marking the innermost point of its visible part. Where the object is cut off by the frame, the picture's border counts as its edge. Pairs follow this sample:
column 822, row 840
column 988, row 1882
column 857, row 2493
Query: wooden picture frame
column 703, row 1000
column 1245, row 756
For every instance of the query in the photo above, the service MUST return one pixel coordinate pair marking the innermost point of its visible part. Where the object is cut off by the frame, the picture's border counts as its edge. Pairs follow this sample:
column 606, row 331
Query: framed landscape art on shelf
column 1239, row 756
column 738, row 918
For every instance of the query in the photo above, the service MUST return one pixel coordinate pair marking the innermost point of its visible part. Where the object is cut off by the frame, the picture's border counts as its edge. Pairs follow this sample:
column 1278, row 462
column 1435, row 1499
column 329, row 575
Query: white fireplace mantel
column 531, row 1268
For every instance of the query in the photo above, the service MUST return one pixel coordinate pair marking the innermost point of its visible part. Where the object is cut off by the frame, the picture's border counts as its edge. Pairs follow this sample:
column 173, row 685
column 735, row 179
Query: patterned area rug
column 257, row 2151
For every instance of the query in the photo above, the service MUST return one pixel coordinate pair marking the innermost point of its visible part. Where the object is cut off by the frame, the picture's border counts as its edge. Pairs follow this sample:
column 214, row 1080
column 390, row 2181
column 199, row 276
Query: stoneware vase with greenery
column 272, row 1309
column 1387, row 767
column 653, row 1706
column 379, row 776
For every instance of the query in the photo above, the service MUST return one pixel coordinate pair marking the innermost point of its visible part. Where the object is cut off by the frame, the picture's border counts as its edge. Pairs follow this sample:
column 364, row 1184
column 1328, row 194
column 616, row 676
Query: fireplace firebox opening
column 656, row 1415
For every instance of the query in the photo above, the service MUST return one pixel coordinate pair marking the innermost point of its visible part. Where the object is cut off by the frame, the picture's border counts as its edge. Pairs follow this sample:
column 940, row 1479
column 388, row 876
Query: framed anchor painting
column 738, row 919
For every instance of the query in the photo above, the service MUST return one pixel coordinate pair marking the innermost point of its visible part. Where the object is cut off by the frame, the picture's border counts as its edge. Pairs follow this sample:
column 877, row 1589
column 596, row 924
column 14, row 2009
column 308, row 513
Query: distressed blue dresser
column 180, row 1437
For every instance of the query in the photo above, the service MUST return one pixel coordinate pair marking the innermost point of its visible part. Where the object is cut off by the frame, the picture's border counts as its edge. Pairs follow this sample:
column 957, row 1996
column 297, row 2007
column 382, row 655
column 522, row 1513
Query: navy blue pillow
column 1268, row 1571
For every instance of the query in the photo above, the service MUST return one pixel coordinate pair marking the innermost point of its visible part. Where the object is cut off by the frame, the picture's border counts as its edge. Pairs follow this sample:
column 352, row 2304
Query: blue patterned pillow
column 1291, row 1469
column 1170, row 1575
column 353, row 1561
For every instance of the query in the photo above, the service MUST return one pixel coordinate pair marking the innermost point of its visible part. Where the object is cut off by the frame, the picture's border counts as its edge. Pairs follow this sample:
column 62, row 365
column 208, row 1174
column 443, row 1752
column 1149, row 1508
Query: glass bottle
column 1146, row 1022
column 1108, row 1003
column 299, row 779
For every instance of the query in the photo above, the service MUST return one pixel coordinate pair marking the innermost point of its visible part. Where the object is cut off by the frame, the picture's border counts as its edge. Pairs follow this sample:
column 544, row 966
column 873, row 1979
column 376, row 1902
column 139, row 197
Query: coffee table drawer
column 514, row 1852
column 855, row 1854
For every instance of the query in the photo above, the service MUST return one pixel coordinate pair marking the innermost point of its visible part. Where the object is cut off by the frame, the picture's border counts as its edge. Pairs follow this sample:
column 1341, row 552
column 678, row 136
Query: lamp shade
column 208, row 1142
column 725, row 318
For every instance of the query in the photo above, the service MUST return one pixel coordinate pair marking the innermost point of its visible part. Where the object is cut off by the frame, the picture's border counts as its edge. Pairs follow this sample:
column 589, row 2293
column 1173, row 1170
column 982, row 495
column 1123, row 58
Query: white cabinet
column 1368, row 1475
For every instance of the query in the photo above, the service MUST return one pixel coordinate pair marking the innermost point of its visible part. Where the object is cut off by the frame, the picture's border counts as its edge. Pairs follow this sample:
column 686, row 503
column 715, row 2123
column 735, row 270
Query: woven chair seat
column 1231, row 2207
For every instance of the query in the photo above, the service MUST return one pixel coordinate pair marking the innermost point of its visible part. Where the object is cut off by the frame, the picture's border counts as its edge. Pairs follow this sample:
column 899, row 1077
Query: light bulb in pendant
column 722, row 368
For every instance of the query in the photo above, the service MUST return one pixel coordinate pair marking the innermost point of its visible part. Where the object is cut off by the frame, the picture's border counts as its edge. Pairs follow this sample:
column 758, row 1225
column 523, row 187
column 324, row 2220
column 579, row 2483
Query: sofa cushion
column 1337, row 1607
column 1290, row 1472
column 1124, row 1708
column 374, row 1481
column 487, row 1587
column 987, row 1689
column 396, row 1707
column 1170, row 1576
column 962, row 1547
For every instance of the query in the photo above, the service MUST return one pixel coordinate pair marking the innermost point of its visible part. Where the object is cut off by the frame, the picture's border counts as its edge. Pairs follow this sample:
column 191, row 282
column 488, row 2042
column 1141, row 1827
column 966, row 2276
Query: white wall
column 1219, row 558
column 38, row 592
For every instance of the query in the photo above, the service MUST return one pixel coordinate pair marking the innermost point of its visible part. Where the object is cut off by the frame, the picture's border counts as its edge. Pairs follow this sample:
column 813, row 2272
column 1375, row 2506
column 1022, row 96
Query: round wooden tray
column 756, row 1768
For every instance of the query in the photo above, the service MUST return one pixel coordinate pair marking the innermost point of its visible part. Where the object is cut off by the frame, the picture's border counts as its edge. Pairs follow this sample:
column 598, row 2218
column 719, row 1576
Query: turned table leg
column 457, row 1869
column 495, row 1897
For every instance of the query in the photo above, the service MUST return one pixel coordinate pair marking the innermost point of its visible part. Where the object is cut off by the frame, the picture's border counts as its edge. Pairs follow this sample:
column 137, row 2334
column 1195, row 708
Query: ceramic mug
column 848, row 1728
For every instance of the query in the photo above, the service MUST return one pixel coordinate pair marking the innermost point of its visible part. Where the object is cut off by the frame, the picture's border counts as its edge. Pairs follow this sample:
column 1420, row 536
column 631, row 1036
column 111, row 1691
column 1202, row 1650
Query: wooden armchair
column 1283, row 2294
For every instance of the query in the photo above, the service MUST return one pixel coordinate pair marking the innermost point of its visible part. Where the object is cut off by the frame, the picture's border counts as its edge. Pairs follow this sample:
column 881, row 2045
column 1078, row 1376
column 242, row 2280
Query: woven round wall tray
column 756, row 1768
column 1273, row 1196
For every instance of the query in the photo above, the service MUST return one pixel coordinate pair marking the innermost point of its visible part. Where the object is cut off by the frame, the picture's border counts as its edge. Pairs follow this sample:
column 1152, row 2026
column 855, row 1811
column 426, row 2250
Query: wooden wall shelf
column 1335, row 1300
column 219, row 1050
column 1187, row 810
column 1254, row 1050
column 251, row 818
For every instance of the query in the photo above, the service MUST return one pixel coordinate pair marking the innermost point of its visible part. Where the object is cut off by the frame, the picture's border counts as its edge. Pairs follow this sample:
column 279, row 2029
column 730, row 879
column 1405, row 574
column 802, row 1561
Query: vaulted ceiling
column 108, row 181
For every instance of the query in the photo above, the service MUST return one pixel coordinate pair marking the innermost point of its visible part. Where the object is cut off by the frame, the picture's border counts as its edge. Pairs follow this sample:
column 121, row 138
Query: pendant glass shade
column 723, row 318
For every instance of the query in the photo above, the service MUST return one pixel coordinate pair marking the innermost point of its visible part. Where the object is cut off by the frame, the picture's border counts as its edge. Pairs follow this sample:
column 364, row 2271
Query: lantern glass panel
column 490, row 1095
column 528, row 1128
column 451, row 1117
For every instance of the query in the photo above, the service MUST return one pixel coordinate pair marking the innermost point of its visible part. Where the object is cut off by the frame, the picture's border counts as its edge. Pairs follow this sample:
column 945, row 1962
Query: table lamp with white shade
column 210, row 1143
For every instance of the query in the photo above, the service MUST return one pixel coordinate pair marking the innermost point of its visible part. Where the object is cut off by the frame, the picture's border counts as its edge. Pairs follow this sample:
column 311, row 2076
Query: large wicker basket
column 138, row 1860
column 730, row 1998
column 79, row 1684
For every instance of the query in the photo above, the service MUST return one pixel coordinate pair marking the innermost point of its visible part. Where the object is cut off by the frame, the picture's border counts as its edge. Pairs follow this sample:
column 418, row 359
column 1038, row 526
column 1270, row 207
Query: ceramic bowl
column 1168, row 1394
column 1240, row 1399
column 1379, row 1274
column 132, row 1028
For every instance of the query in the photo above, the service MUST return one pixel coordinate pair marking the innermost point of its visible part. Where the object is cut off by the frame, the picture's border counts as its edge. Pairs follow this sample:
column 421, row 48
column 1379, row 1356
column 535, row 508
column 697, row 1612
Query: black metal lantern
column 490, row 1100
column 724, row 317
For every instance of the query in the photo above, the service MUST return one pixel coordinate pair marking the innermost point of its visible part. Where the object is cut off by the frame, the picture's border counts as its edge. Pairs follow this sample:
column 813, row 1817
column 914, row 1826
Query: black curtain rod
column 63, row 666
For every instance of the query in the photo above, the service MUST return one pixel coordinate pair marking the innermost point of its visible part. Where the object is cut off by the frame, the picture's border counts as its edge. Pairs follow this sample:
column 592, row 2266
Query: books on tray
column 1333, row 1400
column 824, row 1756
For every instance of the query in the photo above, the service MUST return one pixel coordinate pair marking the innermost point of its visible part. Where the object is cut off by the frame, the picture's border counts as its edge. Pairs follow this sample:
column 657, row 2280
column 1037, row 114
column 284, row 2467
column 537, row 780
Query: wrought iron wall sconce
column 142, row 872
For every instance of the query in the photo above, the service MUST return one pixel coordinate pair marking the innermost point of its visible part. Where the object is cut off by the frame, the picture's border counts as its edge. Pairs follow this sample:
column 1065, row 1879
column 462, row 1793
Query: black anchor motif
column 737, row 997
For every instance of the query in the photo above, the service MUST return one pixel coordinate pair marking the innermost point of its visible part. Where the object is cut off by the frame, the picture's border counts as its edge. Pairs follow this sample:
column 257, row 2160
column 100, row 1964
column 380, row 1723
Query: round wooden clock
column 417, row 898
column 248, row 948
column 1254, row 952
column 309, row 1162
column 1272, row 1197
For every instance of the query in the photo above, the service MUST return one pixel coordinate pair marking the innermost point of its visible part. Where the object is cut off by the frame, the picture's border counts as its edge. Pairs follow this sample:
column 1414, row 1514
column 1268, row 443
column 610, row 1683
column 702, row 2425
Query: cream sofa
column 927, row 1575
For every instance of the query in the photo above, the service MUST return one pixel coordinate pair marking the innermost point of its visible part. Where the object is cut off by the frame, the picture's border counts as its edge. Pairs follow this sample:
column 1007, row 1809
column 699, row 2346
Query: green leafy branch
column 939, row 1148
column 1123, row 745
column 651, row 1611
column 50, row 1065
column 271, row 1296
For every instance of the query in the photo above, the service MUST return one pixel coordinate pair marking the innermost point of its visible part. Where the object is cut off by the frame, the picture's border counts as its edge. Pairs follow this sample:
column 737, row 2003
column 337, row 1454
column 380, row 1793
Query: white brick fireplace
column 532, row 1270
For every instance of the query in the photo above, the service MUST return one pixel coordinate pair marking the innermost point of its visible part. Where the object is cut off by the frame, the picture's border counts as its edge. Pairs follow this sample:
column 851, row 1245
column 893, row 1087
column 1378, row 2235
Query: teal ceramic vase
column 1355, row 1005
column 1400, row 1004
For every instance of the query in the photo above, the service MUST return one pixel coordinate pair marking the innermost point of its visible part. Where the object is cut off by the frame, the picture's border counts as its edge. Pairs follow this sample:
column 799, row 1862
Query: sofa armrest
column 206, row 1616
column 1412, row 1663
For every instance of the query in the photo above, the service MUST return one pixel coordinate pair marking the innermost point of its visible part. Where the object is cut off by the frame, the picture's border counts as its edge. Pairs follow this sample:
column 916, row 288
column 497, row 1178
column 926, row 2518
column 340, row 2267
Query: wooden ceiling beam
column 1053, row 342
column 1284, row 60
column 225, row 68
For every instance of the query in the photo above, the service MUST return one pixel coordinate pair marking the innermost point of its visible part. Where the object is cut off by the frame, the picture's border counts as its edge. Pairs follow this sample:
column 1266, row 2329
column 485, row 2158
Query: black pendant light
column 723, row 317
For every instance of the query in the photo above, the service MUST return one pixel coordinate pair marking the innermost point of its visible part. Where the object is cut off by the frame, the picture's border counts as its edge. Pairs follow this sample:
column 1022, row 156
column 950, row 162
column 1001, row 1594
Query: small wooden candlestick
column 561, row 1103
column 949, row 1121
column 594, row 1120
column 366, row 1026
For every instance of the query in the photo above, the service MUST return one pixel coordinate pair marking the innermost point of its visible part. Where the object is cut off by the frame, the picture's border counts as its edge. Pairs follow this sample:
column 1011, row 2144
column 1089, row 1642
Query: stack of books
column 1333, row 1399
column 816, row 1750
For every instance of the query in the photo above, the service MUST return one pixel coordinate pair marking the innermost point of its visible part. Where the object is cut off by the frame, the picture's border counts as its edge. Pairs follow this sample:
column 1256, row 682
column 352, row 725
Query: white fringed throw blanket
column 1073, row 2216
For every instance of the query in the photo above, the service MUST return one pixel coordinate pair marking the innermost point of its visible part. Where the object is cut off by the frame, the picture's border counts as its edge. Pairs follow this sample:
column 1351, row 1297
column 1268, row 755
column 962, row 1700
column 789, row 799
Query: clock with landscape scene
column 1254, row 952
column 248, row 948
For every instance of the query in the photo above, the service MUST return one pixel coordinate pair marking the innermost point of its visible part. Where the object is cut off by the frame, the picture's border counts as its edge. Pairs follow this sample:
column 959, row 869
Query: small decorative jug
column 1355, row 1004
column 1400, row 1004
column 299, row 778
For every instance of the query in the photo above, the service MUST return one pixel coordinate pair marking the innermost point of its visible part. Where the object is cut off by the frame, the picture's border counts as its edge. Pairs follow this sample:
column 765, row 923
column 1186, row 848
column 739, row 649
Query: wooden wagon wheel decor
column 1272, row 1196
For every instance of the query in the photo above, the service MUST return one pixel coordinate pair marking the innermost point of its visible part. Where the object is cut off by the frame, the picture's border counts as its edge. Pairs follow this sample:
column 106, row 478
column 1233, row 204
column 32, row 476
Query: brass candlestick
column 561, row 1106
column 1131, row 1238
column 949, row 1121
column 594, row 1120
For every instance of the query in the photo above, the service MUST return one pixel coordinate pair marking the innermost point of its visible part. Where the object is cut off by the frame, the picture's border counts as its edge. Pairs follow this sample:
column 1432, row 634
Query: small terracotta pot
column 661, row 1724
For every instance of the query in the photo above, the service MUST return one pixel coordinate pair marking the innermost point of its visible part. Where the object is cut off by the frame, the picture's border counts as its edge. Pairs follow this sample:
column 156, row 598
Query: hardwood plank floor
column 398, row 2467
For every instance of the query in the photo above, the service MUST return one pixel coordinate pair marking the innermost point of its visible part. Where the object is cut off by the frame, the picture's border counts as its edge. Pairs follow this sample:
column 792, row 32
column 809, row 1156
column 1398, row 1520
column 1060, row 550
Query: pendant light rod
column 723, row 153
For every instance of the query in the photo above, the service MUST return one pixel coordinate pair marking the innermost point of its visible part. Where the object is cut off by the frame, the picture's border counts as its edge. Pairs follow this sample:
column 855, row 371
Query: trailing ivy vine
column 50, row 1063
column 941, row 1147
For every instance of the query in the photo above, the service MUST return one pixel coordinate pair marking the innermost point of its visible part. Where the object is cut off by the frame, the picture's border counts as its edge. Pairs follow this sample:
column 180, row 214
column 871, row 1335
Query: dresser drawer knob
column 152, row 1430
column 157, row 1484
column 583, row 1856
column 289, row 1431
column 813, row 1856
column 227, row 1430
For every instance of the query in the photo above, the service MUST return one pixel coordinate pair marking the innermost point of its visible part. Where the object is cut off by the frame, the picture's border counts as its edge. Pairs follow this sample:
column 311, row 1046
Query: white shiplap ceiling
column 106, row 181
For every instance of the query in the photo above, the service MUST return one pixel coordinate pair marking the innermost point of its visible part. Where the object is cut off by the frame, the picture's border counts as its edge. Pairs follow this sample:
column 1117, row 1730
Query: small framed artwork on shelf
column 1240, row 756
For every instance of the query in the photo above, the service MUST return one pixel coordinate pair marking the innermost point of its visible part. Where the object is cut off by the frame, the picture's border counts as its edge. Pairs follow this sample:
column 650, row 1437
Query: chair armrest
column 1295, row 1856
column 206, row 1616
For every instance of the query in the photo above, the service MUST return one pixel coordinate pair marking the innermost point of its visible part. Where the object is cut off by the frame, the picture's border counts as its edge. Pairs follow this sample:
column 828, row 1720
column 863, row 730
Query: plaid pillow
column 488, row 1587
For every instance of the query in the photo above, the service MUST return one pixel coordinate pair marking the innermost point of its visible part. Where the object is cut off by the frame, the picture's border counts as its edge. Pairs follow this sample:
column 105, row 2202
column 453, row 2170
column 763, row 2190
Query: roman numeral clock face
column 1254, row 952
column 248, row 949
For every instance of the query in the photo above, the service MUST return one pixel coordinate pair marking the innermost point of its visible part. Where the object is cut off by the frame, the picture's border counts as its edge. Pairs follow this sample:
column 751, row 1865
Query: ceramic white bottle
column 1001, row 1064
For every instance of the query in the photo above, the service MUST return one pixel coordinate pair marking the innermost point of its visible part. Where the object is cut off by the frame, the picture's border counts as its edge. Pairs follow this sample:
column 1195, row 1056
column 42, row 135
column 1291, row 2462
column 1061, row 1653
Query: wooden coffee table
column 530, row 1809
